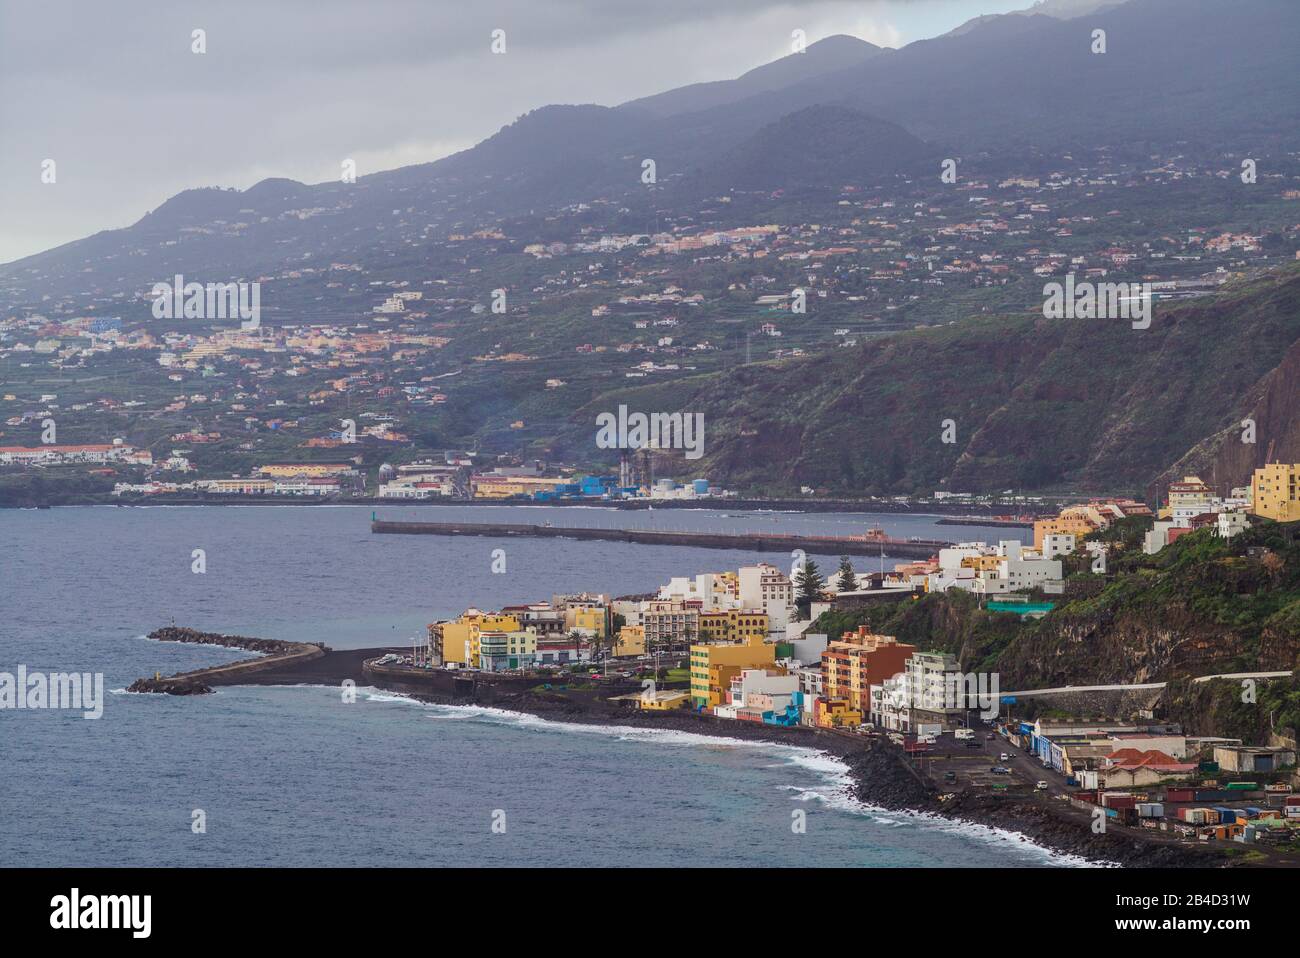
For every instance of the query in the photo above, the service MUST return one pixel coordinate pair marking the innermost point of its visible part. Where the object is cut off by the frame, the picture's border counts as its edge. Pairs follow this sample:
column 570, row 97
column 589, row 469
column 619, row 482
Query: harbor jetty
column 872, row 543
column 273, row 656
column 1009, row 522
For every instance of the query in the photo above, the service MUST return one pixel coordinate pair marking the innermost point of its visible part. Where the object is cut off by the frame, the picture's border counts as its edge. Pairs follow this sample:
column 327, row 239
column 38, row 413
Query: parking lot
column 971, row 765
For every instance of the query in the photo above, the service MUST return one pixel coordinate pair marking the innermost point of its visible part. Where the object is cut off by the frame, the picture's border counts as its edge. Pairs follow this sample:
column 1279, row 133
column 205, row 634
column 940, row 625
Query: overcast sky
column 110, row 90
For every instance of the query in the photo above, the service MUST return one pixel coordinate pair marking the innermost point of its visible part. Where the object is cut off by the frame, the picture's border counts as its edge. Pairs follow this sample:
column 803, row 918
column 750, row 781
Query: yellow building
column 459, row 641
column 500, row 651
column 981, row 563
column 284, row 470
column 835, row 713
column 502, row 487
column 1275, row 492
column 242, row 486
column 733, row 625
column 663, row 700
column 1073, row 520
column 630, row 640
column 706, row 685
column 586, row 618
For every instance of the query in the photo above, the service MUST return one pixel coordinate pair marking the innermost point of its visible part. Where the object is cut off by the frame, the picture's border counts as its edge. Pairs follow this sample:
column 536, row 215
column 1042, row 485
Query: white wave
column 830, row 769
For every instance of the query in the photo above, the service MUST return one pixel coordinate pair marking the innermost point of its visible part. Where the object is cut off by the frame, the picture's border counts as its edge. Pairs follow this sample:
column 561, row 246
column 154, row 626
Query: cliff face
column 1199, row 607
column 1137, row 646
column 1274, row 406
column 1228, row 708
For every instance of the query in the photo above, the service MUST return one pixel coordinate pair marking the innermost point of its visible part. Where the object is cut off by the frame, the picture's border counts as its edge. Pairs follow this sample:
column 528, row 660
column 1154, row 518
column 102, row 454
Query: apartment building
column 713, row 667
column 1275, row 492
column 766, row 587
column 668, row 622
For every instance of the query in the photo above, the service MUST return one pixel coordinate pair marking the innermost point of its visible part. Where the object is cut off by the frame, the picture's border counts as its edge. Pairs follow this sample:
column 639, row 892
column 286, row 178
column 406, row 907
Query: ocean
column 294, row 776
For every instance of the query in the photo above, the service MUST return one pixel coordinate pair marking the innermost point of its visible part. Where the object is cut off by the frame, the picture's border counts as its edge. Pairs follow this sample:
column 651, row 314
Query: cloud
column 113, row 93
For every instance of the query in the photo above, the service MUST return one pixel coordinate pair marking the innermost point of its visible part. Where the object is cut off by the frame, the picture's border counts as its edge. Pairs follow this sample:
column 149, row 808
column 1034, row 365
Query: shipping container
column 1241, row 786
column 1150, row 810
column 1179, row 795
column 1213, row 795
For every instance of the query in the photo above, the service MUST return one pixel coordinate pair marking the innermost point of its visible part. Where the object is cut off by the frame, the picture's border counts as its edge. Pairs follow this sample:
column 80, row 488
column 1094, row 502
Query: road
column 1030, row 693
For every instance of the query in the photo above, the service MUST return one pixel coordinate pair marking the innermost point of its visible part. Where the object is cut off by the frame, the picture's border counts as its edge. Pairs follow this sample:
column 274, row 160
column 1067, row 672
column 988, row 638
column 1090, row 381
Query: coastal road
column 1031, row 693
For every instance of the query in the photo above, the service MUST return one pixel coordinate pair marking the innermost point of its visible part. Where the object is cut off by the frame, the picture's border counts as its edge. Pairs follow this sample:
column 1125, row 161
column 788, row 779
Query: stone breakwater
column 273, row 653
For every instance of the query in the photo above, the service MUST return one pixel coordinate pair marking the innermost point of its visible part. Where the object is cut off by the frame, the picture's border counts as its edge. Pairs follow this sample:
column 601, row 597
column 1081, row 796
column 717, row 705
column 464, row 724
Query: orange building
column 858, row 661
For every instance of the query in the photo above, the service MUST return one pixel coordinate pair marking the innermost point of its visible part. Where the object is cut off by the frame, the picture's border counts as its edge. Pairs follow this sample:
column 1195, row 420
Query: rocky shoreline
column 879, row 774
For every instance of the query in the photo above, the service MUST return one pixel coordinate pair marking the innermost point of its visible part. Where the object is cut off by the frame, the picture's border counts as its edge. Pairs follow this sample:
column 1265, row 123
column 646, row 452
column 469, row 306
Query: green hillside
column 1034, row 403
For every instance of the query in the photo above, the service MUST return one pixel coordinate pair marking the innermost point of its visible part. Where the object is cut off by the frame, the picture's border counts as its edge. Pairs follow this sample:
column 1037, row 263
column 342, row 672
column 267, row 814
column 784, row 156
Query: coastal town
column 391, row 366
column 746, row 646
column 596, row 437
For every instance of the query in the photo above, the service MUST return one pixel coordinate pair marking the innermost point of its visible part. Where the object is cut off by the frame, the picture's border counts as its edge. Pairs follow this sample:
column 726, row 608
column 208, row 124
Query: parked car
column 950, row 776
column 1004, row 757
column 1041, row 786
column 999, row 770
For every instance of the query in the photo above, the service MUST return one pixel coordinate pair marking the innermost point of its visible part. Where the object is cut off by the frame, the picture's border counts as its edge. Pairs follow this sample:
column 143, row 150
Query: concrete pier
column 757, row 542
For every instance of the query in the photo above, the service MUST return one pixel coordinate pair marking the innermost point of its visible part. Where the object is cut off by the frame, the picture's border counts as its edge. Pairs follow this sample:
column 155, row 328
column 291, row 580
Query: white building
column 766, row 587
column 1231, row 523
column 751, row 682
column 1058, row 544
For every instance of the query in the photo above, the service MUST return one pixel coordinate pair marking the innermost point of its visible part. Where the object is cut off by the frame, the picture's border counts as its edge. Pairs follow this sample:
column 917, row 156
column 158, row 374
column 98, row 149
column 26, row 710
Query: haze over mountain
column 818, row 59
